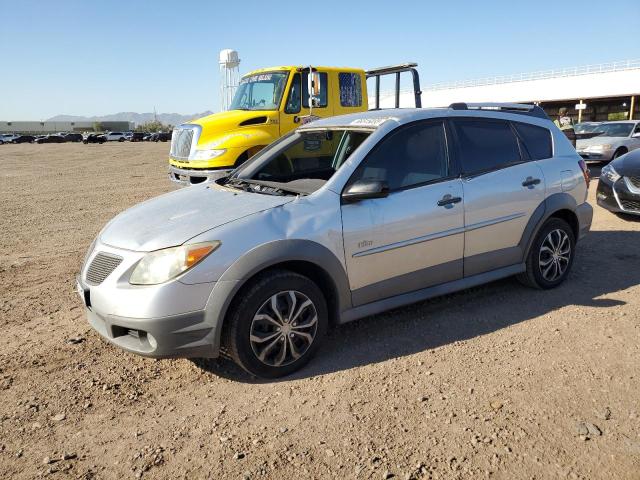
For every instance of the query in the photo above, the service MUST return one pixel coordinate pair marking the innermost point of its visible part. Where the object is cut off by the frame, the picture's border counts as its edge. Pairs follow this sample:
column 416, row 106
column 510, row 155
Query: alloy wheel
column 555, row 254
column 283, row 328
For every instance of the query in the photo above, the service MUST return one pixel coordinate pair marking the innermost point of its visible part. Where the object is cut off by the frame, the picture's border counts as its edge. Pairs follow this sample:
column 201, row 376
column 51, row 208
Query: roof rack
column 397, row 70
column 518, row 108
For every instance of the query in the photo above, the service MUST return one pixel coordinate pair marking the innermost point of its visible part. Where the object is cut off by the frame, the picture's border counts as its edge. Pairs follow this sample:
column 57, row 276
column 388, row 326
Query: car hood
column 174, row 218
column 599, row 140
column 628, row 165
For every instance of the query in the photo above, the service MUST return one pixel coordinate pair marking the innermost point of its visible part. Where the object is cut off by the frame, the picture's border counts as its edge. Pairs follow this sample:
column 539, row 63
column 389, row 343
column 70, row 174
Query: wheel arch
column 304, row 257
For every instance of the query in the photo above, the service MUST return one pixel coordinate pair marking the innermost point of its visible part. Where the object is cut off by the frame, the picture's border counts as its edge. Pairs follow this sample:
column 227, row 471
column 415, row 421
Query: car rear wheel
column 277, row 324
column 551, row 255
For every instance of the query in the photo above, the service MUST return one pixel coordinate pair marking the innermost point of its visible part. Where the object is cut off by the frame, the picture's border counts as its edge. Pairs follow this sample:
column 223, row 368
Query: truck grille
column 181, row 142
column 101, row 267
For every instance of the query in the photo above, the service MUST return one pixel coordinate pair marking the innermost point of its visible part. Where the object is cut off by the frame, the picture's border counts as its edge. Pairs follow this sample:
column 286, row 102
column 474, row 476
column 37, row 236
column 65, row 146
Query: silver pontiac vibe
column 343, row 218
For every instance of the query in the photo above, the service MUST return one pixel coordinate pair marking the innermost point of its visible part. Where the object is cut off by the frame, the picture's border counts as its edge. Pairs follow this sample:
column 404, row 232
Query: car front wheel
column 276, row 325
column 551, row 255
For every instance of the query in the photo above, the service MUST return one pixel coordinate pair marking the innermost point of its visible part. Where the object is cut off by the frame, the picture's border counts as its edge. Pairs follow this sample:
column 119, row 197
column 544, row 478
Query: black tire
column 251, row 300
column 534, row 275
column 619, row 152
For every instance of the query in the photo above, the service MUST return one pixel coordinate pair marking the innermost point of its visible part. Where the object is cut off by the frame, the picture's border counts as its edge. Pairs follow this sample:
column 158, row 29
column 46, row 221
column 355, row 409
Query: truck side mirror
column 313, row 87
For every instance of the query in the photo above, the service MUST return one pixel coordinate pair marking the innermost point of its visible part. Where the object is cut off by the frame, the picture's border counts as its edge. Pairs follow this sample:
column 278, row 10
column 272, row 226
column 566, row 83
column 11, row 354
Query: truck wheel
column 277, row 324
column 551, row 256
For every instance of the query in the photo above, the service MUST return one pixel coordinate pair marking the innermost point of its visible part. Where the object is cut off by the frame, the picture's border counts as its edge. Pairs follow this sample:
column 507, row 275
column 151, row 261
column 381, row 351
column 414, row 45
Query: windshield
column 614, row 129
column 586, row 127
column 302, row 161
column 262, row 91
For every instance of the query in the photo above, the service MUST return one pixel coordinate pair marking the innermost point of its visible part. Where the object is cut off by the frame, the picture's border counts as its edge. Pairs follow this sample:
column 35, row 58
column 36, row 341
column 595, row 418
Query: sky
column 100, row 57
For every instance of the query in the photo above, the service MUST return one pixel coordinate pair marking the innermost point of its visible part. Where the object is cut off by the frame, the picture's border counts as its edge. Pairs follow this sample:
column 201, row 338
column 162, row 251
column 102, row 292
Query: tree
column 98, row 127
column 153, row 126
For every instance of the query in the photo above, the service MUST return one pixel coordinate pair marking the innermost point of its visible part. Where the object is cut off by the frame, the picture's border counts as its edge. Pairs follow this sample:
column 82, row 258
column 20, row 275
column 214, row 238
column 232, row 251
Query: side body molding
column 263, row 257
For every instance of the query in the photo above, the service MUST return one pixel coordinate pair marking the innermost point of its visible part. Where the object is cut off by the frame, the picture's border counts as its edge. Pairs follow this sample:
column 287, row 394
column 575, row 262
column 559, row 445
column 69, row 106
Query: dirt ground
column 497, row 382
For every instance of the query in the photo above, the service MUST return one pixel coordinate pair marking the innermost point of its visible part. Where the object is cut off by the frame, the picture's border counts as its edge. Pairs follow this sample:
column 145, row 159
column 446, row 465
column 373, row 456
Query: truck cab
column 268, row 103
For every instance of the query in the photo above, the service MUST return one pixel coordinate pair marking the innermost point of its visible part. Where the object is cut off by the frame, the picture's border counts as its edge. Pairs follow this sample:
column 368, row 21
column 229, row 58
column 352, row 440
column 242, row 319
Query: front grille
column 631, row 205
column 101, row 267
column 635, row 181
column 181, row 142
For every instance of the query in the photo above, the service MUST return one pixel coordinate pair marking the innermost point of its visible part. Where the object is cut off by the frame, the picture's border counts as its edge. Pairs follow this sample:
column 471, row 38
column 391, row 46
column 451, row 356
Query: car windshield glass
column 614, row 129
column 301, row 162
column 260, row 92
column 586, row 127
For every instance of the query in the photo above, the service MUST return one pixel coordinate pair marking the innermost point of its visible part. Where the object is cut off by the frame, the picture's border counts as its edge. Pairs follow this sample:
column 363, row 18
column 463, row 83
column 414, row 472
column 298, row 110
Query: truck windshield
column 300, row 162
column 262, row 91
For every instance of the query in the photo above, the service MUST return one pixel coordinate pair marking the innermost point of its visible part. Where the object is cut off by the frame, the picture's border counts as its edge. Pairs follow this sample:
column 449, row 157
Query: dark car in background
column 51, row 139
column 94, row 138
column 619, row 185
column 72, row 137
column 161, row 137
column 137, row 137
column 24, row 139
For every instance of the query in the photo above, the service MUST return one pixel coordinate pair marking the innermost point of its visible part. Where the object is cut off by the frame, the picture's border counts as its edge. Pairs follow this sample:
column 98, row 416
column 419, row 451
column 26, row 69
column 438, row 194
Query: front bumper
column 186, row 177
column 619, row 197
column 604, row 156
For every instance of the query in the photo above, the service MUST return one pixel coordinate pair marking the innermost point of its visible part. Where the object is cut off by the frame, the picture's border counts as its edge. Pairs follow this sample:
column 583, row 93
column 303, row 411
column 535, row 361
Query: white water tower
column 229, row 76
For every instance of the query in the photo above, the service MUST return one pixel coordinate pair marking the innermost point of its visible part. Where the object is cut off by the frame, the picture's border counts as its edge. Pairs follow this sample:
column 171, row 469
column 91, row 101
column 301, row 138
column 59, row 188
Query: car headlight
column 207, row 154
column 163, row 265
column 610, row 173
column 599, row 148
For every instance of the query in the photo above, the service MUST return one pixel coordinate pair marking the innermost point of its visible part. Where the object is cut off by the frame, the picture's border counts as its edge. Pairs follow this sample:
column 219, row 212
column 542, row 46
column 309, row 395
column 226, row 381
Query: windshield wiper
column 250, row 186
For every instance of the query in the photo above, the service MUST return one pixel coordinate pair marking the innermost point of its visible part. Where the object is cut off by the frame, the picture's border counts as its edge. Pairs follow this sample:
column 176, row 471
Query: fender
column 263, row 257
column 550, row 205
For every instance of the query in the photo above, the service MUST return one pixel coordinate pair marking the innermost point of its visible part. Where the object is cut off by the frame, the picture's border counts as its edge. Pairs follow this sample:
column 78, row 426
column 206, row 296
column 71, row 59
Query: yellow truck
column 269, row 103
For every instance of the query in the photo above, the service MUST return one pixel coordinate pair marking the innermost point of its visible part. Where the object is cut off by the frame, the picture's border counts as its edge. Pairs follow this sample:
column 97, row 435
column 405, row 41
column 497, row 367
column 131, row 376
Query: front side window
column 537, row 140
column 350, row 89
column 410, row 156
column 262, row 91
column 295, row 96
column 485, row 145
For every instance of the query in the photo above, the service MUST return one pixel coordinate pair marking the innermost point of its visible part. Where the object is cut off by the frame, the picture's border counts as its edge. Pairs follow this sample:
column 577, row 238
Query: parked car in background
column 53, row 138
column 115, row 136
column 147, row 136
column 613, row 140
column 136, row 137
column 128, row 135
column 343, row 218
column 8, row 137
column 94, row 138
column 161, row 137
column 24, row 139
column 73, row 137
column 619, row 185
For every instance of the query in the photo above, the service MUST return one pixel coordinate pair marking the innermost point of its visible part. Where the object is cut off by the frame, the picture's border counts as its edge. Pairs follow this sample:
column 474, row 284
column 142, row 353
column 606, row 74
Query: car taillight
column 585, row 171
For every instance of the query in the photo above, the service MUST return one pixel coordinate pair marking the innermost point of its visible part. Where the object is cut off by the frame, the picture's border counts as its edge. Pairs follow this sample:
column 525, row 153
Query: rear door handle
column 448, row 200
column 530, row 182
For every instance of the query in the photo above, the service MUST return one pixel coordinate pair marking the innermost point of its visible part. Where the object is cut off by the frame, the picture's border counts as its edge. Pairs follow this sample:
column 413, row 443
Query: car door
column 413, row 238
column 501, row 191
column 296, row 108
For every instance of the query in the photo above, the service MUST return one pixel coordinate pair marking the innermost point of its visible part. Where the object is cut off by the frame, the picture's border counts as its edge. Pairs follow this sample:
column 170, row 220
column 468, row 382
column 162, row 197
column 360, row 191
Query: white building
column 609, row 91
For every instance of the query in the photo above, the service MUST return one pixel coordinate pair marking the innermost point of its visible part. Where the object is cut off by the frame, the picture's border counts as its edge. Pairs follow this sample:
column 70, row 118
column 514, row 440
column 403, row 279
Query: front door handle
column 530, row 182
column 448, row 200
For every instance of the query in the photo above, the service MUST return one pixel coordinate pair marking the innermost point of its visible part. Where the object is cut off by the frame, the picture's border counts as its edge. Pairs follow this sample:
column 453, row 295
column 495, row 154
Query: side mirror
column 365, row 189
column 636, row 135
column 313, row 87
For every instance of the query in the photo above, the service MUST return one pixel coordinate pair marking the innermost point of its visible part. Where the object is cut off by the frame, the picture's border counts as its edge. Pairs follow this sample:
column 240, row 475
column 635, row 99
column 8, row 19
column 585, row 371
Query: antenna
column 229, row 76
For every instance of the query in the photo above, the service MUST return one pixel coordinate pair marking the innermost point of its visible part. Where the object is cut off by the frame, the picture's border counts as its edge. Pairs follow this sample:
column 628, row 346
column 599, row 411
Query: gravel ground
column 496, row 382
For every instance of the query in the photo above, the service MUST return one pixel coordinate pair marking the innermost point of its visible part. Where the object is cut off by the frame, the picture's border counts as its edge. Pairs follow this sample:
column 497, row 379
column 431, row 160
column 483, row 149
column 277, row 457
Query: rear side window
column 411, row 156
column 537, row 140
column 485, row 145
column 350, row 89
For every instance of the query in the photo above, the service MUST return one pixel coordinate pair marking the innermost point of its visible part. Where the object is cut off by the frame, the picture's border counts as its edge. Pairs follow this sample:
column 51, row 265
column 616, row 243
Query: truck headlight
column 598, row 148
column 610, row 173
column 207, row 154
column 163, row 265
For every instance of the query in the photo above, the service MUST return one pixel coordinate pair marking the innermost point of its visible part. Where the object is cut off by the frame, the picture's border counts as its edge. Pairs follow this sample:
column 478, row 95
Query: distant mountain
column 137, row 118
